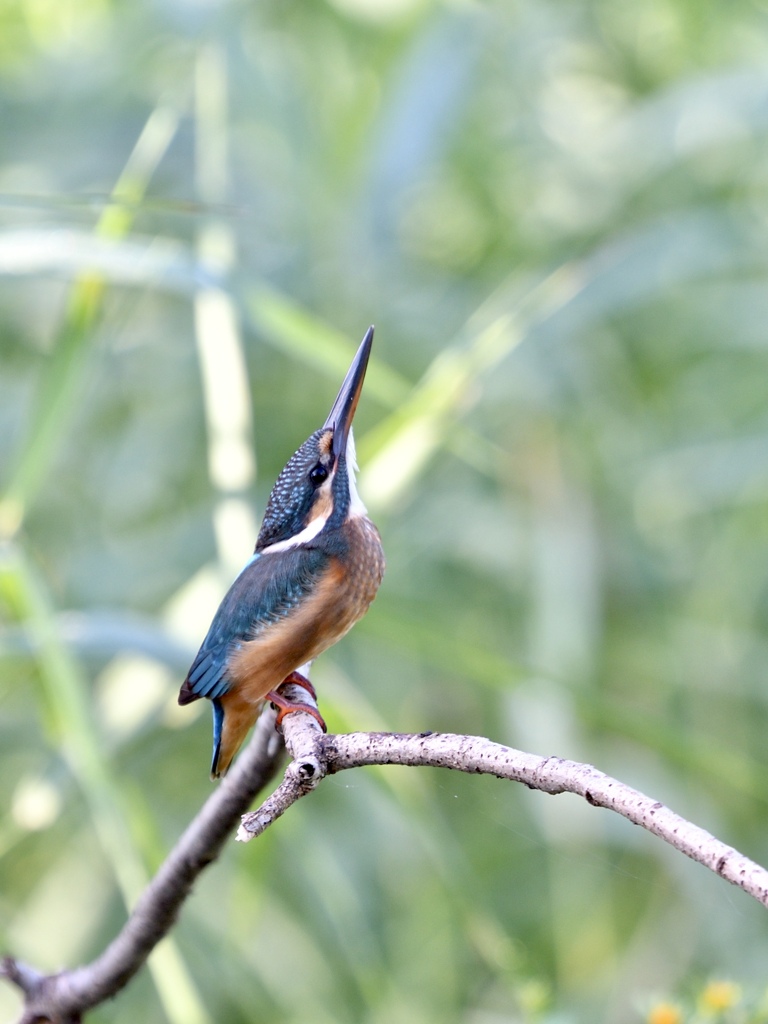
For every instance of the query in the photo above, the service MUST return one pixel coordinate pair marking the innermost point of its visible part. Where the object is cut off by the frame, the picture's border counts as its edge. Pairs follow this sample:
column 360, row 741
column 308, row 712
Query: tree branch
column 63, row 998
column 315, row 756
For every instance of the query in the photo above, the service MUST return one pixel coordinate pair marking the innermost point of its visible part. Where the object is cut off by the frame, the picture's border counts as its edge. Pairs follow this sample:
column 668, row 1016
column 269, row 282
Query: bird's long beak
column 341, row 415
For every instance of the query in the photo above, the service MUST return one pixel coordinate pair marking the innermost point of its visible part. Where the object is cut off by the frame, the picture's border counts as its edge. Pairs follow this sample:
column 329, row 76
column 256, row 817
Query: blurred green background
column 556, row 214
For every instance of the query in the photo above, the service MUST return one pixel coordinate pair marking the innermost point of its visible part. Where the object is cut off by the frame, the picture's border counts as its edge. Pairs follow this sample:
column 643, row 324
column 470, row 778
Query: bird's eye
column 318, row 474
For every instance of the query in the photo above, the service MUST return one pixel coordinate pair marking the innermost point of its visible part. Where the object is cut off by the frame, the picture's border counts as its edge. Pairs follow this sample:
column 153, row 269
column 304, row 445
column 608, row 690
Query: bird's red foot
column 287, row 707
column 299, row 680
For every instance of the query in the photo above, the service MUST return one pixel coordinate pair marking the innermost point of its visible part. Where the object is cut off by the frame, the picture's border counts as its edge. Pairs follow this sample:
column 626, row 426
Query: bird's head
column 316, row 488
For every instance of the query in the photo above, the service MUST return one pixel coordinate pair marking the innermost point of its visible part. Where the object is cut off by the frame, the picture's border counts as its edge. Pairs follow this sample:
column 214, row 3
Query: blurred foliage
column 555, row 214
column 714, row 1002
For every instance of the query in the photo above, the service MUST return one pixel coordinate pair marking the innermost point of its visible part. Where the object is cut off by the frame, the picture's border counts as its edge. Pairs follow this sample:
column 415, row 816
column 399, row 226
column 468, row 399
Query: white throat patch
column 356, row 506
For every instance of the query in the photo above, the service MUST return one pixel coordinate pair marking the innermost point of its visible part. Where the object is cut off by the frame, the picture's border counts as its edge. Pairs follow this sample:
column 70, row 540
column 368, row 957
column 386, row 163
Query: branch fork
column 315, row 756
column 63, row 998
column 305, row 742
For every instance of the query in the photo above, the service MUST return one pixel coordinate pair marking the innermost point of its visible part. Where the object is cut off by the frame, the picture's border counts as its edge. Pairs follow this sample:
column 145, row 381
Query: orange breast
column 340, row 599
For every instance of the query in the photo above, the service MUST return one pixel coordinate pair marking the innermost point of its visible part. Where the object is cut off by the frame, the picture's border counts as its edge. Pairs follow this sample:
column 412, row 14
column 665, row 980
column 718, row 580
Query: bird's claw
column 287, row 707
column 290, row 708
column 299, row 680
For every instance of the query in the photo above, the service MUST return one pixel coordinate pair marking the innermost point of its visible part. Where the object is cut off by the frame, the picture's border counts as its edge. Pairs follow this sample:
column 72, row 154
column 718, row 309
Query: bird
column 315, row 569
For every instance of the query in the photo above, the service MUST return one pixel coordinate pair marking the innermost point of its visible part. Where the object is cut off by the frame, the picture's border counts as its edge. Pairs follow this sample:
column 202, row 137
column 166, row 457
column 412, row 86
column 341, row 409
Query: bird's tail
column 231, row 722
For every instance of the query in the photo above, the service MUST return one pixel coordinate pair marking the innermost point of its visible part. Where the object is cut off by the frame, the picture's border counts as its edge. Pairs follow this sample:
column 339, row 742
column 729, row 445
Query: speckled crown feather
column 291, row 498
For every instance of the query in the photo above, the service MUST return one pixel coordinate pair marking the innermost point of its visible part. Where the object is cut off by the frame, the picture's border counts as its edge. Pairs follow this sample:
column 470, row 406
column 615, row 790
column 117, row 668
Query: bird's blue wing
column 268, row 589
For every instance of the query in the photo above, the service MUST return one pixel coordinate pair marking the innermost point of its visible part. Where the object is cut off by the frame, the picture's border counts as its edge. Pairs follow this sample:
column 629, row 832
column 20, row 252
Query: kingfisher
column 316, row 567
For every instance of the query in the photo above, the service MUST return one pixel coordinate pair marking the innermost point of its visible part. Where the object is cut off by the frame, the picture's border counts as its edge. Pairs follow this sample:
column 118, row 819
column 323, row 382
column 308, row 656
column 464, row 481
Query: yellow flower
column 665, row 1013
column 718, row 996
